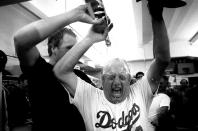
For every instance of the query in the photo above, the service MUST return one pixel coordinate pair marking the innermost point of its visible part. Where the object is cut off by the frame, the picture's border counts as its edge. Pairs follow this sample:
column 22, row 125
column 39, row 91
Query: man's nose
column 117, row 81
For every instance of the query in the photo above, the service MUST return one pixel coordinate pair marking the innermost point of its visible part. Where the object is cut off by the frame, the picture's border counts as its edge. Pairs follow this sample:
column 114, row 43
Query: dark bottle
column 94, row 6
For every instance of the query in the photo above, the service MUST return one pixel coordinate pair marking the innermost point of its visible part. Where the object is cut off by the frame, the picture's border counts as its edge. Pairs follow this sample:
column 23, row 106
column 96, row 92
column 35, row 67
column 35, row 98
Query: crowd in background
column 183, row 96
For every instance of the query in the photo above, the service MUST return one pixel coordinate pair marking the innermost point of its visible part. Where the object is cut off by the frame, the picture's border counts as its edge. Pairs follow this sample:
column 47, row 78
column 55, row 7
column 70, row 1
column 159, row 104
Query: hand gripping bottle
column 97, row 5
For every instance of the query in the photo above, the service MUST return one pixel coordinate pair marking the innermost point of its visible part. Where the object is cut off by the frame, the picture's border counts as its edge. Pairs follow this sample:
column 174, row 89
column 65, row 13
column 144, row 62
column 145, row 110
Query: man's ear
column 54, row 49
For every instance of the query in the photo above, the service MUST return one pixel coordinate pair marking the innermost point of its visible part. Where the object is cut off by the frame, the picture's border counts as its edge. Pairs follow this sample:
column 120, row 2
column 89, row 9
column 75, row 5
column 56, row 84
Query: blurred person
column 19, row 115
column 159, row 112
column 3, row 60
column 118, row 106
column 139, row 75
column 136, row 77
column 51, row 110
column 3, row 103
column 133, row 80
column 182, row 105
column 192, row 109
column 184, row 86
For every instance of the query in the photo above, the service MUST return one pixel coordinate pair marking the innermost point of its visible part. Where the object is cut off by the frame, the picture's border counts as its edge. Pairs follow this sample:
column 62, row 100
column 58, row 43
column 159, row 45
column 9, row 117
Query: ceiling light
column 194, row 38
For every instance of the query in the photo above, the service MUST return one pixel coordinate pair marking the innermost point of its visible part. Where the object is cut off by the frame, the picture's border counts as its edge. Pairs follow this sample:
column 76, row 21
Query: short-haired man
column 51, row 109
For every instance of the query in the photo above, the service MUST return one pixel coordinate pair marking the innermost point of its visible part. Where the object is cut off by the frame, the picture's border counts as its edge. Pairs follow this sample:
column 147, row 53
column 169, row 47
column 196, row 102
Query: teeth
column 117, row 89
column 115, row 97
column 116, row 93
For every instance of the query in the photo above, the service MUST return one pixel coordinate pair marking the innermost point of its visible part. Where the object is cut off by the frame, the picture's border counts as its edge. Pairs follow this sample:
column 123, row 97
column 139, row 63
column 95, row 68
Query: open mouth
column 116, row 92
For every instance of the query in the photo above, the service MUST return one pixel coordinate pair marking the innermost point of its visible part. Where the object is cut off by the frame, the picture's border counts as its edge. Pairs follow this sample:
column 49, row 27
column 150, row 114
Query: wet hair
column 55, row 40
column 109, row 63
column 3, row 60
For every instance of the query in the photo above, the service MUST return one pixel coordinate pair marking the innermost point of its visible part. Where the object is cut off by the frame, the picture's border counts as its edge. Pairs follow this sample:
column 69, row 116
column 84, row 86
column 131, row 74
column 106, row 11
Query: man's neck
column 52, row 60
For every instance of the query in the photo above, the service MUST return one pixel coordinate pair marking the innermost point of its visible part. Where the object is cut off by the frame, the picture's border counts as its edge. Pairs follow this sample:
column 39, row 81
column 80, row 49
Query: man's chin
column 116, row 99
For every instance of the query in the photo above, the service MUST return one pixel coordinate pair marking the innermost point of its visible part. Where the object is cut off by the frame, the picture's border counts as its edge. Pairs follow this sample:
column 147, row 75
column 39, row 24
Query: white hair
column 116, row 60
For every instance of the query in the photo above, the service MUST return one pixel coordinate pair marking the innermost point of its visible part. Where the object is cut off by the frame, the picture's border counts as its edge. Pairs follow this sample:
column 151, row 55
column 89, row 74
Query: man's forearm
column 32, row 34
column 160, row 40
column 70, row 59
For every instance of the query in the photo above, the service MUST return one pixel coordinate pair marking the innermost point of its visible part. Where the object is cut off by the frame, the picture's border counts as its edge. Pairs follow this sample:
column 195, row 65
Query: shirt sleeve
column 84, row 95
column 28, row 70
column 144, row 87
column 165, row 101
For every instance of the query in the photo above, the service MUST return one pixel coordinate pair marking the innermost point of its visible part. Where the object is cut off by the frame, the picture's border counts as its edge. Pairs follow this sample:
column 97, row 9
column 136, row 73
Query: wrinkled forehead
column 116, row 66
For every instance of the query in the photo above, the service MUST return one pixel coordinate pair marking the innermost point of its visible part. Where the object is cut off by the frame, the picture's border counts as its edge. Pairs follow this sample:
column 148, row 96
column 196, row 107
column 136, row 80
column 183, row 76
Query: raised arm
column 64, row 68
column 161, row 49
column 26, row 38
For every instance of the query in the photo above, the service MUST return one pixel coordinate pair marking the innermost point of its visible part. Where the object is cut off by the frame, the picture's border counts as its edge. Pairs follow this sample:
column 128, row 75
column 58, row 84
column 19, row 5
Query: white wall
column 177, row 49
column 136, row 66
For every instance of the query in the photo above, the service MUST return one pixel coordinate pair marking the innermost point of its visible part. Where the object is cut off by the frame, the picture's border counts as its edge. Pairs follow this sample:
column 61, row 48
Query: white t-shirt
column 159, row 100
column 101, row 115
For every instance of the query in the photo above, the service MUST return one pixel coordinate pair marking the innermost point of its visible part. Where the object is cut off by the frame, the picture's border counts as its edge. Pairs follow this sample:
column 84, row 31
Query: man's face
column 139, row 76
column 116, row 83
column 163, row 85
column 67, row 43
column 184, row 83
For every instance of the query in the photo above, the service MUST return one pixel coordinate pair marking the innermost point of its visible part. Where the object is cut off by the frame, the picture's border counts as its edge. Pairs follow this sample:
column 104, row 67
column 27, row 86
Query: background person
column 139, row 75
column 159, row 112
column 3, row 103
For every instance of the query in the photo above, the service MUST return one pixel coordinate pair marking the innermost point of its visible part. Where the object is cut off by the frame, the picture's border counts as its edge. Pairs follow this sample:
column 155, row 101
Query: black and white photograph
column 98, row 65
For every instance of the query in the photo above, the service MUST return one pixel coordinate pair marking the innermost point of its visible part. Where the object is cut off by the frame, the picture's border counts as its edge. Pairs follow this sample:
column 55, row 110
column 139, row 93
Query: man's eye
column 69, row 47
column 110, row 77
column 122, row 77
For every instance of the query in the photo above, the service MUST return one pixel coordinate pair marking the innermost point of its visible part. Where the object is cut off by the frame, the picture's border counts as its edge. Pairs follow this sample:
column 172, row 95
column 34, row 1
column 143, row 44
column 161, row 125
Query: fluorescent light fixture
column 194, row 38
